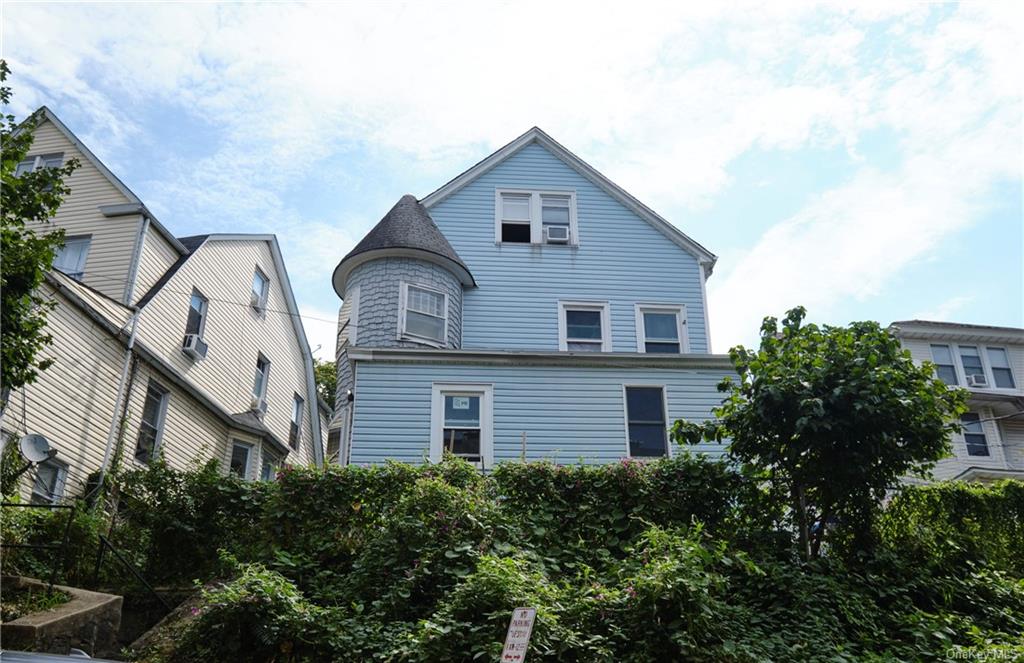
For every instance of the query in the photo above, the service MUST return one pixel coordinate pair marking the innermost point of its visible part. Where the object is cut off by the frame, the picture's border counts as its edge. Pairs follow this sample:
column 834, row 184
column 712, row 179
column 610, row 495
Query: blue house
column 529, row 308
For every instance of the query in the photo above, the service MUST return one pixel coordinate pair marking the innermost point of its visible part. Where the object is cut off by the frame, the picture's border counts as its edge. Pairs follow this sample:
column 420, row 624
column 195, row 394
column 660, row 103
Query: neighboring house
column 190, row 347
column 989, row 363
column 530, row 308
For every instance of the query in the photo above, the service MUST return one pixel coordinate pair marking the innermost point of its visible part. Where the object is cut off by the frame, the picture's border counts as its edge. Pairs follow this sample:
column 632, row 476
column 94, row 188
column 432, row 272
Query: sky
column 864, row 162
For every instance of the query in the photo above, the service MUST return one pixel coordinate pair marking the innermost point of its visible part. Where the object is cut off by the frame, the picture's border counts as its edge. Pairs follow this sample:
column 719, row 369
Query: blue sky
column 865, row 163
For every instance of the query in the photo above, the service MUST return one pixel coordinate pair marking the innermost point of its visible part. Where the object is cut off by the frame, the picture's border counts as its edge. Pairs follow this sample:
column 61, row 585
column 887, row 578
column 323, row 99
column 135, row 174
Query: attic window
column 40, row 161
column 535, row 217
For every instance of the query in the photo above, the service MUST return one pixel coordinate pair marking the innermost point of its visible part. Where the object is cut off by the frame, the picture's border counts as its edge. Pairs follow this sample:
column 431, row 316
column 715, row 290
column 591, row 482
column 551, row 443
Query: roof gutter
column 543, row 358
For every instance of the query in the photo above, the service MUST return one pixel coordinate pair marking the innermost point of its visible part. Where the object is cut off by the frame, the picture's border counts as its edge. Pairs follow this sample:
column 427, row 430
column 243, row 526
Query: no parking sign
column 518, row 637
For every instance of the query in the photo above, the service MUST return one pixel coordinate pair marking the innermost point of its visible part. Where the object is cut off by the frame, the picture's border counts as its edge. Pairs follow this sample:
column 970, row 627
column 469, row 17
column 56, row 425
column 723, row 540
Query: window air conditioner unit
column 258, row 405
column 194, row 346
column 556, row 234
column 257, row 302
column 977, row 380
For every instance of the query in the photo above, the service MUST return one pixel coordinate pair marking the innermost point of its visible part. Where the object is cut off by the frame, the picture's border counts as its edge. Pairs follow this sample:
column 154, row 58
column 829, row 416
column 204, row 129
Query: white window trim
column 206, row 309
column 353, row 316
column 536, row 221
column 261, row 308
column 161, row 419
column 986, row 367
column 37, row 160
column 606, row 327
column 87, row 239
column 58, row 490
column 403, row 298
column 681, row 326
column 664, row 405
column 486, row 394
column 266, row 377
column 247, row 475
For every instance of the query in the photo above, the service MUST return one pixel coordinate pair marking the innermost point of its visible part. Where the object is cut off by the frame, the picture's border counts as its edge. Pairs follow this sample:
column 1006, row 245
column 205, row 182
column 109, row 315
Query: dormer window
column 423, row 314
column 260, row 290
column 535, row 217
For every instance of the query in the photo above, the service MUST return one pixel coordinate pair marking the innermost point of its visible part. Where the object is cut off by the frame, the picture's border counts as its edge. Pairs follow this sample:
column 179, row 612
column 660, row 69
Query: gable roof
column 136, row 206
column 536, row 135
column 190, row 243
column 406, row 229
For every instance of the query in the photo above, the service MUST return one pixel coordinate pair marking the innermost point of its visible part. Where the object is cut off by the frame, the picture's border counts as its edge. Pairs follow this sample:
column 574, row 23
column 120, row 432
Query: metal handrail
column 106, row 544
column 62, row 546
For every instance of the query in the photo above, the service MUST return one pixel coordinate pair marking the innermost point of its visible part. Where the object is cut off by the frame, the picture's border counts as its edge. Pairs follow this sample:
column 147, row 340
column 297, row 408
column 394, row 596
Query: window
column 584, row 327
column 40, row 161
column 196, row 314
column 944, row 367
column 260, row 290
column 999, row 362
column 971, row 361
column 259, row 385
column 647, row 431
column 269, row 465
column 661, row 329
column 974, row 434
column 70, row 258
column 49, row 484
column 334, row 445
column 151, row 427
column 296, row 428
column 538, row 217
column 461, row 423
column 423, row 314
column 241, row 453
column 515, row 218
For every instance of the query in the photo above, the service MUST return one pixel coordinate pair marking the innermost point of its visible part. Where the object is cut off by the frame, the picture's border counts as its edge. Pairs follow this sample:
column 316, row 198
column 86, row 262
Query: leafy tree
column 832, row 417
column 325, row 374
column 28, row 202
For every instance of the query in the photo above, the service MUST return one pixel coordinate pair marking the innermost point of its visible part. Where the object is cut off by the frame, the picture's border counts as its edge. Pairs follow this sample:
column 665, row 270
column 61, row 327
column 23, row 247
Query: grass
column 23, row 601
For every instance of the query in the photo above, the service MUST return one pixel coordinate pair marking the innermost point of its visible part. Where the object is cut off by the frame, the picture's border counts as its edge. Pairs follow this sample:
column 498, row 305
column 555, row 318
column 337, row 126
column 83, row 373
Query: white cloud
column 946, row 310
column 662, row 98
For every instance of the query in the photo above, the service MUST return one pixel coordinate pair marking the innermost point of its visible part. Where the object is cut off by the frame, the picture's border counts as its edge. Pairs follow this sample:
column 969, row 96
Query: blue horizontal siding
column 621, row 259
column 569, row 414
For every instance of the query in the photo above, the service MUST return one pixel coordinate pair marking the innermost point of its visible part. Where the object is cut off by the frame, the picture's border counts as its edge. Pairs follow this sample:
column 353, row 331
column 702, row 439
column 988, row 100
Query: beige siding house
column 189, row 348
column 989, row 363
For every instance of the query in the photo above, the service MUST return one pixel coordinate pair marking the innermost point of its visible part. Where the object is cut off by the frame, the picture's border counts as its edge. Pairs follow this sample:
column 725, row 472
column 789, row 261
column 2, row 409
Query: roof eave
column 341, row 273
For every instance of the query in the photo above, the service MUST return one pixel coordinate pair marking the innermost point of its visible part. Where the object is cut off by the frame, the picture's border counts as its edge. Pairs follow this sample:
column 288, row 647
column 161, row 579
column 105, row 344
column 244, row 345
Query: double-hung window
column 269, row 465
column 535, row 217
column 999, row 362
column 974, row 434
column 462, row 423
column 661, row 328
column 71, row 257
column 584, row 327
column 151, row 427
column 646, row 424
column 241, row 457
column 423, row 315
column 295, row 430
column 514, row 218
column 39, row 161
column 197, row 306
column 48, row 487
column 260, row 290
column 259, row 384
column 971, row 361
column 944, row 367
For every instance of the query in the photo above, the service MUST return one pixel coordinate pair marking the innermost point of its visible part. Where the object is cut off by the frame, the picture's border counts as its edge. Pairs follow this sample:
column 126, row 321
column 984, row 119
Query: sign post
column 518, row 638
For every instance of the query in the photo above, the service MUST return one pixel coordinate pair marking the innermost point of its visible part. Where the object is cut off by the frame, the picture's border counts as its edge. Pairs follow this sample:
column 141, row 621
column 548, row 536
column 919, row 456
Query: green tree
column 27, row 201
column 832, row 417
column 325, row 374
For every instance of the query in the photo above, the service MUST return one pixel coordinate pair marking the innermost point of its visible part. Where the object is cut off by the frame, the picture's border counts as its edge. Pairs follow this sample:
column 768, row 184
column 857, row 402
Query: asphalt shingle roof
column 407, row 226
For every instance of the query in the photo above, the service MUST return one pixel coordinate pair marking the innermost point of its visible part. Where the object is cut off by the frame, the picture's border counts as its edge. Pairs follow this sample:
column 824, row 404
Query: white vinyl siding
column 157, row 256
column 109, row 260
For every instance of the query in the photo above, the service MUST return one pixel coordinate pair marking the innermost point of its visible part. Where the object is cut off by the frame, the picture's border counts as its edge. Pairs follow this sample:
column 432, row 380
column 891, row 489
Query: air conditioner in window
column 556, row 234
column 257, row 302
column 258, row 405
column 194, row 346
column 977, row 380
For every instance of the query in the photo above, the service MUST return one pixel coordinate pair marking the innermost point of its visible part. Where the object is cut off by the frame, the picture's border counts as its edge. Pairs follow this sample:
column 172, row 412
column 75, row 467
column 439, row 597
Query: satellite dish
column 35, row 448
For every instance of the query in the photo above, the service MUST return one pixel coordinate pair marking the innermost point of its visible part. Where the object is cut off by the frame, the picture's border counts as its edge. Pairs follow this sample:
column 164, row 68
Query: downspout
column 115, row 421
column 129, row 288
